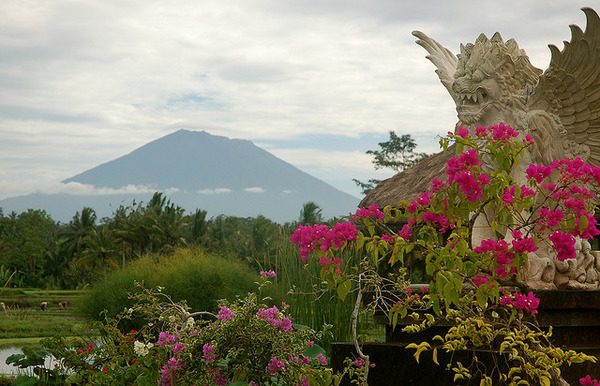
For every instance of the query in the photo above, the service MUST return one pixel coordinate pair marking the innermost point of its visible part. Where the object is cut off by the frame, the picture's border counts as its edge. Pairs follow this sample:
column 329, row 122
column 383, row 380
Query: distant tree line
column 36, row 251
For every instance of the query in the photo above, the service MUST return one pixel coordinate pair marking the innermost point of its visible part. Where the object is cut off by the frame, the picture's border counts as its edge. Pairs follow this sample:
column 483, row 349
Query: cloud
column 84, row 82
column 254, row 189
column 79, row 189
column 214, row 191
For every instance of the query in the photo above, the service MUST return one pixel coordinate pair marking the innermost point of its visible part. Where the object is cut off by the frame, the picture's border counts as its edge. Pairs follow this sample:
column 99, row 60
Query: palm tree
column 310, row 214
column 198, row 226
column 102, row 250
column 80, row 229
column 56, row 264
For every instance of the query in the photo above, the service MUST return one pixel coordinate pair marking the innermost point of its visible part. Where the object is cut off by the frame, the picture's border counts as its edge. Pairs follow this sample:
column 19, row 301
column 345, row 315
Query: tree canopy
column 397, row 153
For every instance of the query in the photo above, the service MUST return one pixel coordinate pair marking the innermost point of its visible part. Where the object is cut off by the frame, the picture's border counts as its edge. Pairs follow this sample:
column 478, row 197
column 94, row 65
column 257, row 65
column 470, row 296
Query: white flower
column 189, row 323
column 141, row 349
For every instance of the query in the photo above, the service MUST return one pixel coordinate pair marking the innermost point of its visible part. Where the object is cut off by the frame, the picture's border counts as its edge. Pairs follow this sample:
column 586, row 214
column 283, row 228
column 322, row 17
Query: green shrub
column 186, row 274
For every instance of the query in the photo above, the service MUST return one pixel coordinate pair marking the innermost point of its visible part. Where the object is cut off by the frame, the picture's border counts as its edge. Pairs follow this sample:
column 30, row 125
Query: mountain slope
column 200, row 170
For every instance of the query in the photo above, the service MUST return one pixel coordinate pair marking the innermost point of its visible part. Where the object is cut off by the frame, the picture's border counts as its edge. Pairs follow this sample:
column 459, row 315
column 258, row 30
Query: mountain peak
column 215, row 173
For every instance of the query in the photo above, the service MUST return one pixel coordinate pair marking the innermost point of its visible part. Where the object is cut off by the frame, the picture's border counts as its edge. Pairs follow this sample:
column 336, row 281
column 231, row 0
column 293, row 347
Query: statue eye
column 477, row 76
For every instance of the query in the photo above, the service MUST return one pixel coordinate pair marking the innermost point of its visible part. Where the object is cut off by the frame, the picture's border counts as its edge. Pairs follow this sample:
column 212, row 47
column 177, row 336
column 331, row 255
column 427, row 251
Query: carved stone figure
column 493, row 81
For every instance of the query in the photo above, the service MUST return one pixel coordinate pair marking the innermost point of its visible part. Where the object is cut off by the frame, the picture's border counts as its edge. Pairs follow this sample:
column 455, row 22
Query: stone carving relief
column 493, row 81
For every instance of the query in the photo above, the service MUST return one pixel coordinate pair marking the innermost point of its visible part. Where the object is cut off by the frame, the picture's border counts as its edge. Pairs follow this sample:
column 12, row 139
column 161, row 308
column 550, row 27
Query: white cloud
column 78, row 189
column 214, row 191
column 84, row 82
column 254, row 189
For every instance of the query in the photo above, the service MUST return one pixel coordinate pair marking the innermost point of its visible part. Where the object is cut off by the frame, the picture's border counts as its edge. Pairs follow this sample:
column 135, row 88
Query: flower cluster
column 564, row 244
column 465, row 171
column 504, row 257
column 275, row 366
column 500, row 132
column 225, row 314
column 521, row 302
column 208, row 353
column 276, row 318
column 588, row 381
column 309, row 238
column 268, row 273
column 372, row 211
column 142, row 349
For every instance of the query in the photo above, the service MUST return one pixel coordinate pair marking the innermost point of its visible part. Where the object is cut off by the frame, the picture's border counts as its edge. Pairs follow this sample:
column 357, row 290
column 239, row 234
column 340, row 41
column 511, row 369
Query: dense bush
column 199, row 278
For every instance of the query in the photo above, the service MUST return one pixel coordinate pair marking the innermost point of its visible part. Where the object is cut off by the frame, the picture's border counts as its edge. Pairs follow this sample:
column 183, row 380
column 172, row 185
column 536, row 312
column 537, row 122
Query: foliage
column 397, row 153
column 310, row 214
column 23, row 241
column 200, row 278
column 245, row 343
column 472, row 285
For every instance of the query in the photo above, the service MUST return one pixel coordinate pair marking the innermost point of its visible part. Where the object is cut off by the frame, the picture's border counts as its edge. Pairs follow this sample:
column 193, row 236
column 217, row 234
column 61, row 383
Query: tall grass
column 312, row 307
column 187, row 274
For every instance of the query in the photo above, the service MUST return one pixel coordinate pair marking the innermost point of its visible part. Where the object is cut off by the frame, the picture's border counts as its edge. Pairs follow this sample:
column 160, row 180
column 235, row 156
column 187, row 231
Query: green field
column 23, row 321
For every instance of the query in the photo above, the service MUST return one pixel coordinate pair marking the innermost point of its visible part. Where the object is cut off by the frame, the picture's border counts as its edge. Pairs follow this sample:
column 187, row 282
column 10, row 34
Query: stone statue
column 493, row 81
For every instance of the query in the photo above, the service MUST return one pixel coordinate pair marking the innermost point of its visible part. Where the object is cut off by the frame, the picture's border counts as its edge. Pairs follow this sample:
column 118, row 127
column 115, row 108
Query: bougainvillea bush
column 477, row 287
column 245, row 343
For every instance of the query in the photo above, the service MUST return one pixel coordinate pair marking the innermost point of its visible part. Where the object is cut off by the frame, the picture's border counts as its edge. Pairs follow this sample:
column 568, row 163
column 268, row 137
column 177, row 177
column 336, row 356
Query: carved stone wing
column 570, row 87
column 441, row 57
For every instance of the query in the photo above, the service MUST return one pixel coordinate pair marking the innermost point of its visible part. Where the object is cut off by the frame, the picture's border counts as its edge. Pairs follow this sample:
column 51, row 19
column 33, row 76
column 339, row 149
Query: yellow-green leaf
column 544, row 381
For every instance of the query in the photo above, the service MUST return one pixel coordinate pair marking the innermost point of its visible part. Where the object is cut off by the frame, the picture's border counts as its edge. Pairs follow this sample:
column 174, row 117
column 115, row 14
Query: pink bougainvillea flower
column 551, row 217
column 501, row 132
column 520, row 301
column 481, row 131
column 208, row 353
column 371, row 211
column 538, row 172
column 564, row 244
column 462, row 132
column 269, row 273
column 225, row 314
column 588, row 381
column 275, row 366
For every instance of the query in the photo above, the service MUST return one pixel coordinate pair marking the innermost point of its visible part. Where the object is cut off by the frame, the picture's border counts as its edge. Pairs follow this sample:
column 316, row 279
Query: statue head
column 489, row 75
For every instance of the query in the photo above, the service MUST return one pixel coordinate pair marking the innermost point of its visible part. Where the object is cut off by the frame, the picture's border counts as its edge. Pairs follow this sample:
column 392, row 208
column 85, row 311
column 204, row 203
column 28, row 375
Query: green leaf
column 313, row 351
column 394, row 320
column 397, row 254
column 482, row 298
column 371, row 230
column 583, row 223
column 15, row 358
column 25, row 380
column 344, row 288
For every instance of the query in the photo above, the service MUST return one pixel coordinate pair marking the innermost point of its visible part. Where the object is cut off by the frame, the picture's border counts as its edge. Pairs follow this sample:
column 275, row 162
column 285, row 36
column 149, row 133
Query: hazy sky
column 315, row 82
